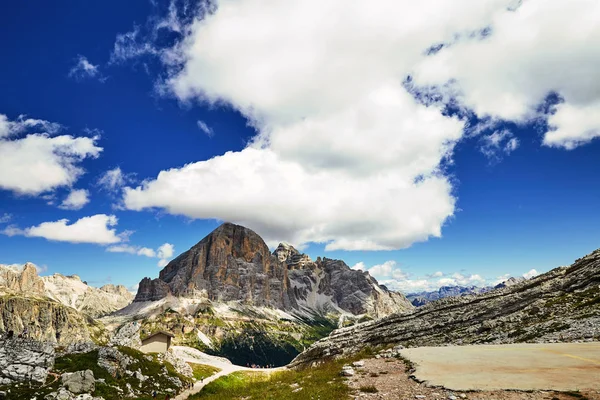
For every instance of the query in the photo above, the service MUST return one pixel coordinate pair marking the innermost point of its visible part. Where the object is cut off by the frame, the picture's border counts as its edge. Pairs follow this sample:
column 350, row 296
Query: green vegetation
column 323, row 382
column 114, row 386
column 202, row 371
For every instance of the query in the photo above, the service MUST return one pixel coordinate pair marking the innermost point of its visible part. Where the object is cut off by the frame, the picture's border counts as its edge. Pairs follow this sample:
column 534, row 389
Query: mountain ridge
column 233, row 263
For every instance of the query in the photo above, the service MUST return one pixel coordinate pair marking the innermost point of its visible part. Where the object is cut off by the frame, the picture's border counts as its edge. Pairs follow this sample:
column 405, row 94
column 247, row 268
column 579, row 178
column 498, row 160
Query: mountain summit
column 233, row 263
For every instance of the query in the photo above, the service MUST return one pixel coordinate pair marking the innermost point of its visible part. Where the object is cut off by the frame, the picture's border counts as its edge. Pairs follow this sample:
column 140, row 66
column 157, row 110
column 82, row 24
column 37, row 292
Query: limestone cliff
column 45, row 320
column 68, row 290
column 71, row 291
column 233, row 263
column 24, row 279
column 563, row 304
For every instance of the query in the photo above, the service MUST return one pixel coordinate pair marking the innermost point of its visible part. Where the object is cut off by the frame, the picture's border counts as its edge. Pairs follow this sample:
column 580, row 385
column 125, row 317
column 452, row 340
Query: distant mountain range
column 422, row 298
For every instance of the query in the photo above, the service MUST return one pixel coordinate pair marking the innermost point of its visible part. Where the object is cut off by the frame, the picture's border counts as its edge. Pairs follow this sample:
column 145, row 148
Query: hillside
column 561, row 305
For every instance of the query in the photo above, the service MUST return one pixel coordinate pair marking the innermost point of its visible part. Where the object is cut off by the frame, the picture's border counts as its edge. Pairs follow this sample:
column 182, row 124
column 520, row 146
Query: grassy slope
column 323, row 382
column 202, row 371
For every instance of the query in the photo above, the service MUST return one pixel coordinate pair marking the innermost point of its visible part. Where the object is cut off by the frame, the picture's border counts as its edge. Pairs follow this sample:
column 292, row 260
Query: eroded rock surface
column 25, row 360
column 561, row 305
column 233, row 263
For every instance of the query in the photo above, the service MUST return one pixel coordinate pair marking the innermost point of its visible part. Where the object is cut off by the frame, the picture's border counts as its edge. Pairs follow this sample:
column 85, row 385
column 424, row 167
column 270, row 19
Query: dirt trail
column 195, row 356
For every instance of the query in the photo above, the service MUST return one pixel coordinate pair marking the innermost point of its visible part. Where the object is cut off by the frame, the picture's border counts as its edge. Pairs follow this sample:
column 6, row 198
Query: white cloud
column 356, row 161
column 205, row 128
column 40, row 162
column 84, row 69
column 165, row 253
column 333, row 118
column 499, row 143
column 145, row 251
column 93, row 229
column 75, row 200
column 359, row 266
column 113, row 180
column 530, row 274
column 122, row 248
column 22, row 123
column 510, row 71
column 572, row 126
column 129, row 45
column 387, row 270
column 5, row 218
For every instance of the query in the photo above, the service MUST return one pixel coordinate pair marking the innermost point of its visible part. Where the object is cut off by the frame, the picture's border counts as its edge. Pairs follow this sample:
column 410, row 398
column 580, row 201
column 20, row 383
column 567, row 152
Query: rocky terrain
column 233, row 263
column 96, row 302
column 230, row 296
column 561, row 305
column 422, row 298
column 67, row 290
column 46, row 320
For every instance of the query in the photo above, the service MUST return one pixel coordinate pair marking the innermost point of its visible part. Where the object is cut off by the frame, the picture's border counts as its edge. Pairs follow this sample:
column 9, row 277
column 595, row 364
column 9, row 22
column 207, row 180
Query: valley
column 245, row 318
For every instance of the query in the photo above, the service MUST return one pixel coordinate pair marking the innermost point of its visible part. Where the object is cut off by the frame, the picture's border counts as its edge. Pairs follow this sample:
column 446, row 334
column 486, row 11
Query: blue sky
column 482, row 164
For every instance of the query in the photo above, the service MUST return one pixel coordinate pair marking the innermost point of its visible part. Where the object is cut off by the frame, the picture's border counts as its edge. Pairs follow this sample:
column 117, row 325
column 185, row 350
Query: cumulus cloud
column 391, row 275
column 98, row 229
column 5, row 218
column 163, row 253
column 75, row 200
column 205, row 128
column 348, row 153
column 530, row 274
column 85, row 69
column 509, row 72
column 40, row 162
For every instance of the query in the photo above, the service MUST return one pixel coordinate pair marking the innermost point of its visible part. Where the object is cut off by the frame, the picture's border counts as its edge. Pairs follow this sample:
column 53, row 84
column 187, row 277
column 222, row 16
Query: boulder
column 79, row 382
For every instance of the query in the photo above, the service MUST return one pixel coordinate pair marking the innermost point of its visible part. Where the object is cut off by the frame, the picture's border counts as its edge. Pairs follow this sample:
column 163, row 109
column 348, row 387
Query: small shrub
column 368, row 389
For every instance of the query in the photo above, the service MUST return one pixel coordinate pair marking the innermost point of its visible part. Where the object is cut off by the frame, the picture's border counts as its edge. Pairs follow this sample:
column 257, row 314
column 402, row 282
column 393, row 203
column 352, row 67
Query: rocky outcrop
column 563, row 304
column 233, row 263
column 25, row 360
column 71, row 291
column 68, row 290
column 14, row 279
column 331, row 286
column 79, row 382
column 127, row 335
column 43, row 319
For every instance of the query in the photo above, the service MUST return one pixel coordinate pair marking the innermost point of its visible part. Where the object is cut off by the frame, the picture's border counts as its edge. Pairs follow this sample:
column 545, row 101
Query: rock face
column 20, row 280
column 44, row 319
column 25, row 360
column 71, row 291
column 68, row 290
column 79, row 382
column 233, row 263
column 563, row 304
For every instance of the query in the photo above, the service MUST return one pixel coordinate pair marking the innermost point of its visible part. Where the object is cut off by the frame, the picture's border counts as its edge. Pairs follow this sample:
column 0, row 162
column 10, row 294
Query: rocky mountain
column 233, row 263
column 563, row 304
column 422, row 298
column 46, row 320
column 14, row 279
column 67, row 290
column 71, row 291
